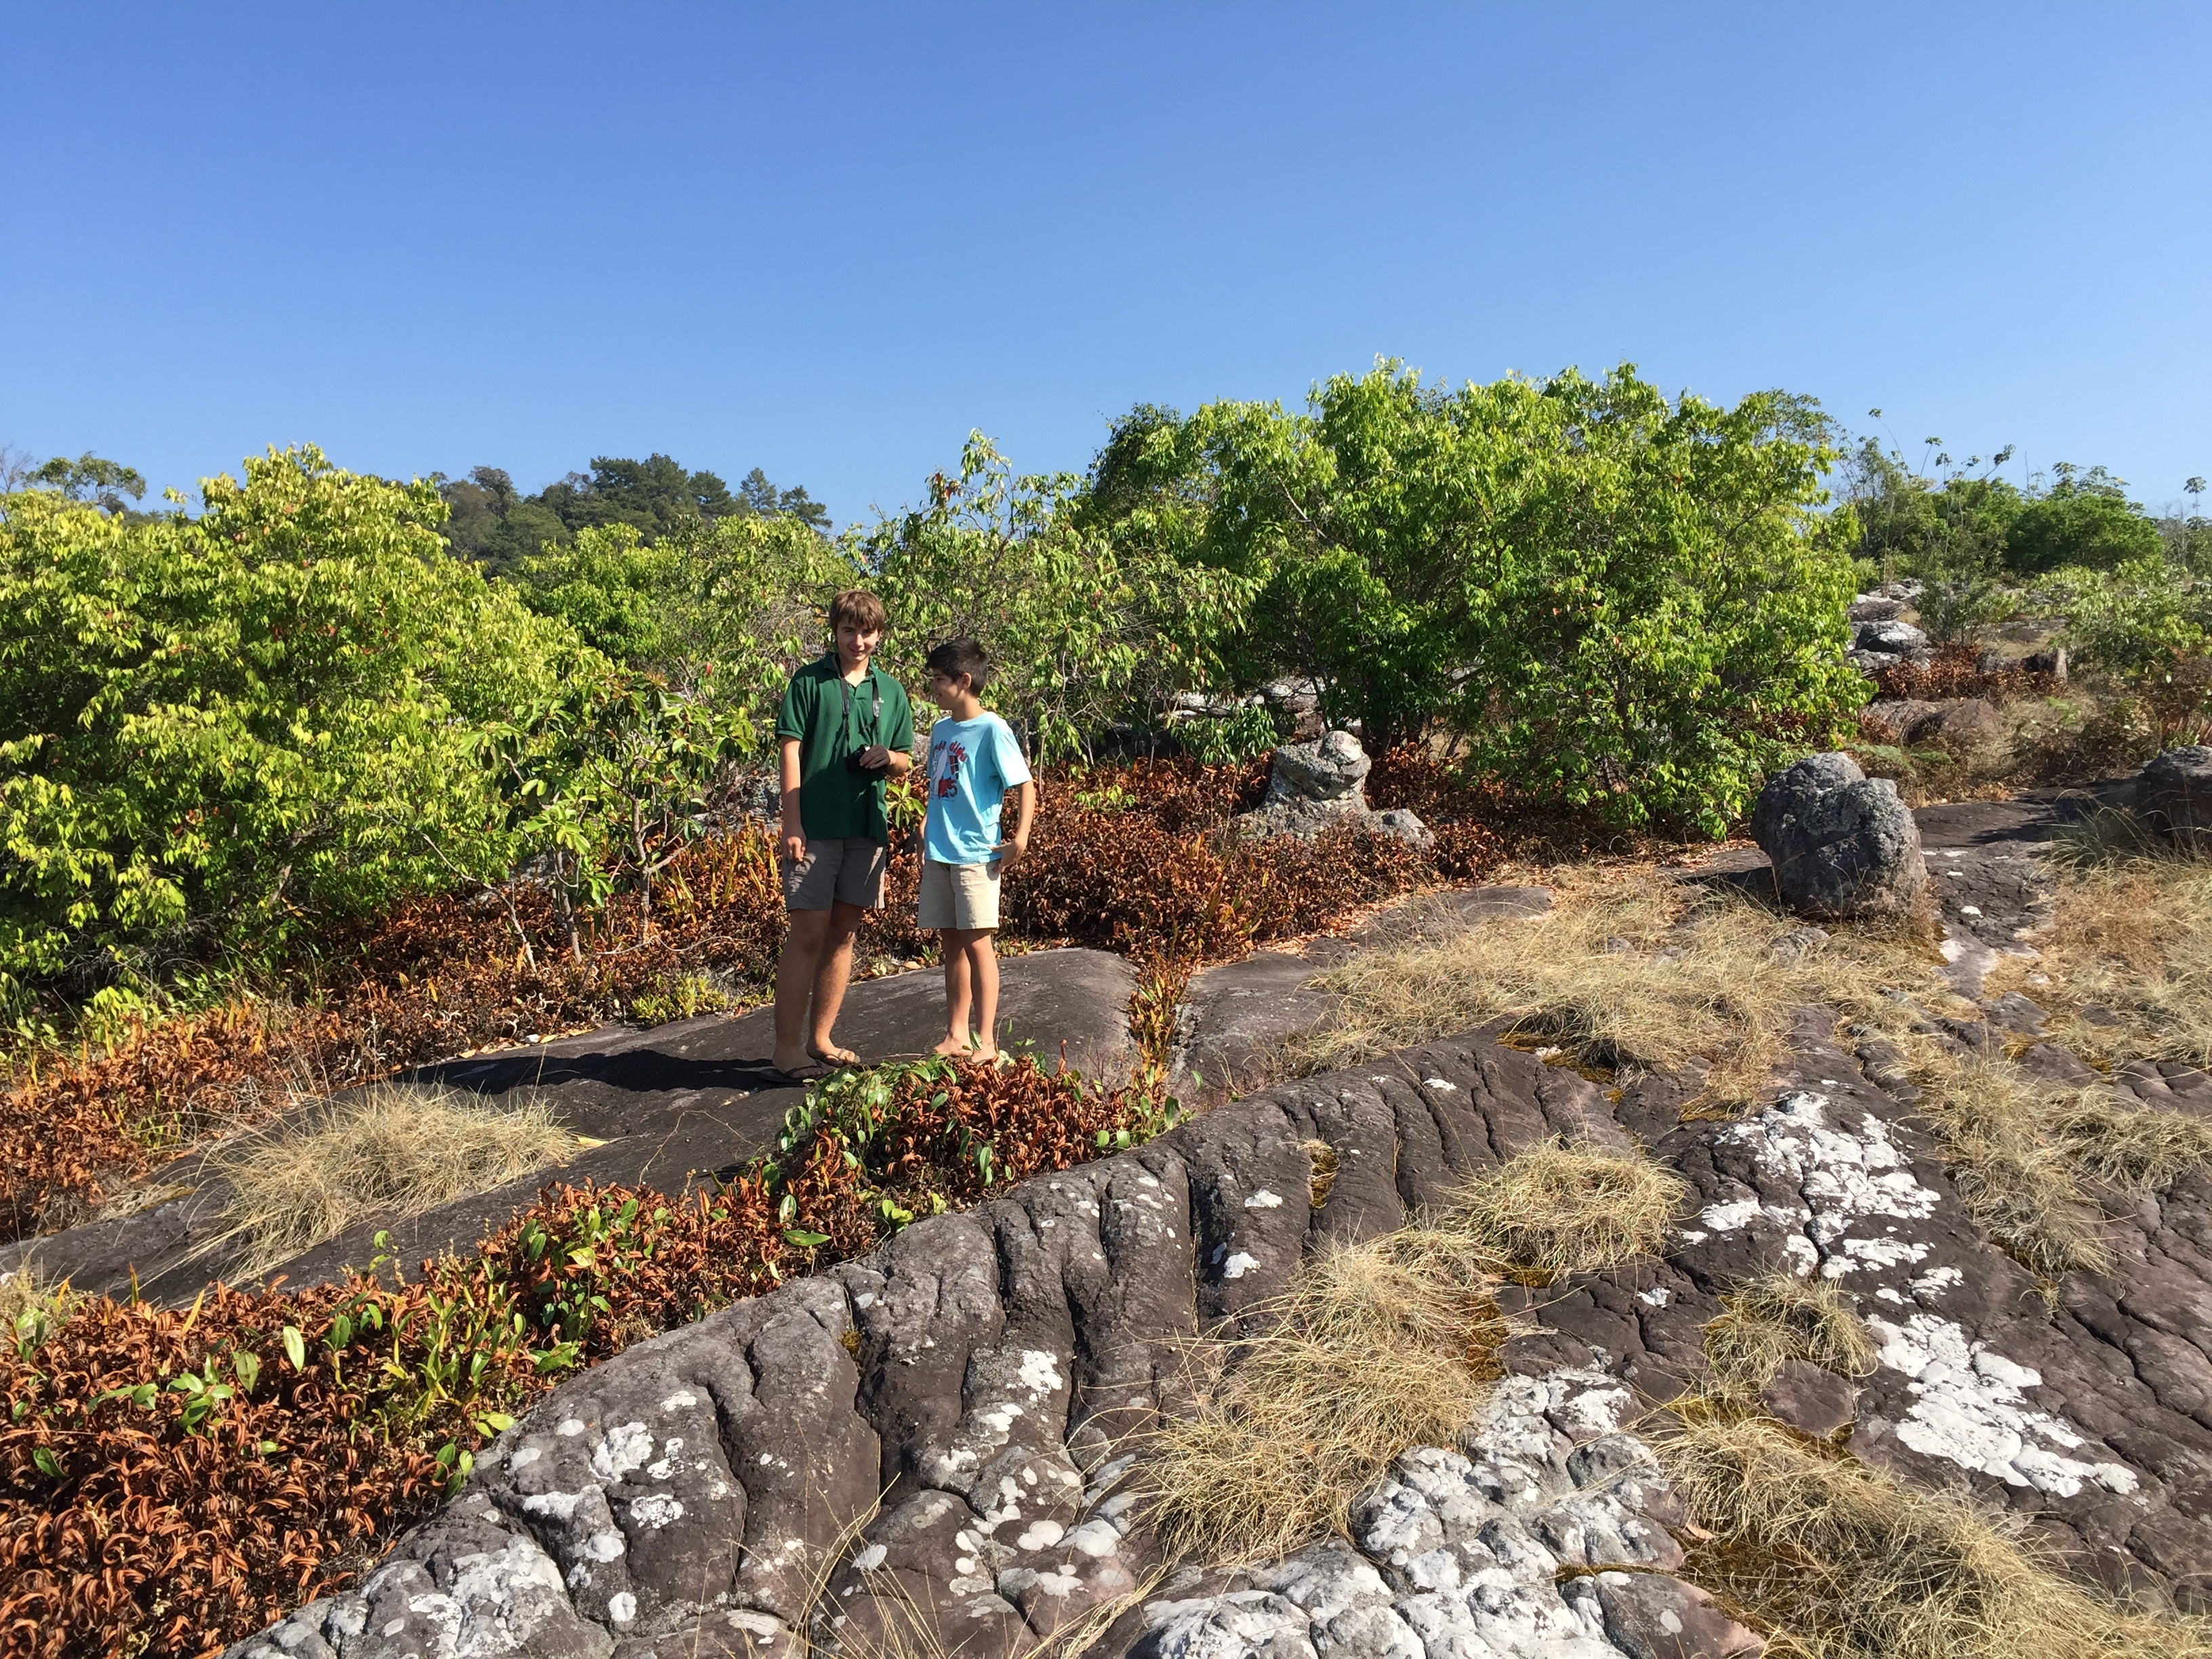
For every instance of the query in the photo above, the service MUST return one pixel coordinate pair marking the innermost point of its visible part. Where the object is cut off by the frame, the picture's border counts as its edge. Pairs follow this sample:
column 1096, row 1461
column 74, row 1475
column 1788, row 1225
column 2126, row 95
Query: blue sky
column 828, row 239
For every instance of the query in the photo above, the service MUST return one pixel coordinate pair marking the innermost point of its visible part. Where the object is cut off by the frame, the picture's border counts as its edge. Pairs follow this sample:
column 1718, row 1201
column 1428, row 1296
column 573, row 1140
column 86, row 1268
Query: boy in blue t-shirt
column 973, row 761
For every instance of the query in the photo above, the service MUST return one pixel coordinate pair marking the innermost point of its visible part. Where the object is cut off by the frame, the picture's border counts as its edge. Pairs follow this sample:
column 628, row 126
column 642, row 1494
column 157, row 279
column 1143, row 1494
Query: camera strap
column 875, row 710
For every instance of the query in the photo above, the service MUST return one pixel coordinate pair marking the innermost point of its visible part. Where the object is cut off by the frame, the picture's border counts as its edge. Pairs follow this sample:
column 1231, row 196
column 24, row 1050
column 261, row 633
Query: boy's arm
column 1026, row 814
column 794, row 827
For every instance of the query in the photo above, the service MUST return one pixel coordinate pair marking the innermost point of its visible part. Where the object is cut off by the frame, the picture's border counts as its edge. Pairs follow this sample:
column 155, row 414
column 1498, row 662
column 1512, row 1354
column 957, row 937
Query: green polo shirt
column 834, row 801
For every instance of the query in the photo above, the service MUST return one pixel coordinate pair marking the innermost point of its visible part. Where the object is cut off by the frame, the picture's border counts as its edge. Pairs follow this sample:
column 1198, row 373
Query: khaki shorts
column 849, row 867
column 960, row 895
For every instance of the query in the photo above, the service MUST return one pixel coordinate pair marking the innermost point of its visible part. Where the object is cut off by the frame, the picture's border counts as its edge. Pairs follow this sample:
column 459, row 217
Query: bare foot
column 982, row 1051
column 830, row 1055
column 952, row 1045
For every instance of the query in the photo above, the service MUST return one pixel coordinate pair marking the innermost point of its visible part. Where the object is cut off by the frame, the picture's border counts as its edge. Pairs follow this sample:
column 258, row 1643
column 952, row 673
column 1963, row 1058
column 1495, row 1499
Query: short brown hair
column 860, row 608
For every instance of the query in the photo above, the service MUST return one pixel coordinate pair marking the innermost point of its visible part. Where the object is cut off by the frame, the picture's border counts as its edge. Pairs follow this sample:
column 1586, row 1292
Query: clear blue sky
column 827, row 240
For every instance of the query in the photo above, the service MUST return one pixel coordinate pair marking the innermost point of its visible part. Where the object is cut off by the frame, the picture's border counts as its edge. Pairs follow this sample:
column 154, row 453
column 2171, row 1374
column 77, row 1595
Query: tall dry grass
column 1777, row 1317
column 1561, row 1208
column 1635, row 972
column 1838, row 1560
column 2127, row 959
column 392, row 1151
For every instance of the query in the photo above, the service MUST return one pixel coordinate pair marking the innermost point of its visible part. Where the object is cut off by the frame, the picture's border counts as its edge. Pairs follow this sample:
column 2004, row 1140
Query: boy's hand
column 875, row 756
column 1009, row 851
column 794, row 845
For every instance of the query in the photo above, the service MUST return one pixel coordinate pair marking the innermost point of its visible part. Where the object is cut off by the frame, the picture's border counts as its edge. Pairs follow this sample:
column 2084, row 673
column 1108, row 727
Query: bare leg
column 833, row 969
column 795, row 974
column 983, row 969
column 956, row 991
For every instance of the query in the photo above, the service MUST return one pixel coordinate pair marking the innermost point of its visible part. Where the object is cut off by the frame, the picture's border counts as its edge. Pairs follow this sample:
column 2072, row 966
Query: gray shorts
column 849, row 867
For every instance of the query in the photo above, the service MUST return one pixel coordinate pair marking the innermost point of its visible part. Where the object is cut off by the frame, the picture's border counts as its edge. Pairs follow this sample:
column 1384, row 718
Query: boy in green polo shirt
column 845, row 728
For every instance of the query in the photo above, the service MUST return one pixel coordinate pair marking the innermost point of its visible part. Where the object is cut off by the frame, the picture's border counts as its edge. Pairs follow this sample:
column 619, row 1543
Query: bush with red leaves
column 1136, row 858
column 171, row 1482
column 1954, row 671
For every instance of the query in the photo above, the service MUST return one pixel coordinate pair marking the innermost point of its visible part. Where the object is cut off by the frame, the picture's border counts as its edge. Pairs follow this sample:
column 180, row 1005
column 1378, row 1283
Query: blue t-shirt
column 972, row 764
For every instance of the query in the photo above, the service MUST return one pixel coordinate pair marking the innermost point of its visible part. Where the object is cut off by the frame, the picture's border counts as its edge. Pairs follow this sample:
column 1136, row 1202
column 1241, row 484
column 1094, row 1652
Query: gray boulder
column 1868, row 608
column 1330, row 769
column 1900, row 638
column 1316, row 786
column 2174, row 794
column 1842, row 843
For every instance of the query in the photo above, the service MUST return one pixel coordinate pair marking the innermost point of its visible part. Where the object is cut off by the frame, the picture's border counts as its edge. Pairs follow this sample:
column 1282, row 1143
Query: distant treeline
column 495, row 524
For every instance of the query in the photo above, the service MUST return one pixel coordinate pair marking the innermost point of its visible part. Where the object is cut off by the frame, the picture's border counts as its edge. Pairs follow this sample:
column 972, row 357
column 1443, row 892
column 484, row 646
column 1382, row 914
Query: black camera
column 854, row 763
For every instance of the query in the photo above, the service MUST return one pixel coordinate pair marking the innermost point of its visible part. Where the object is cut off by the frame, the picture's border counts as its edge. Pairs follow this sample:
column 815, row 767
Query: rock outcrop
column 1316, row 786
column 984, row 1372
column 1500, row 1547
column 2174, row 794
column 1842, row 843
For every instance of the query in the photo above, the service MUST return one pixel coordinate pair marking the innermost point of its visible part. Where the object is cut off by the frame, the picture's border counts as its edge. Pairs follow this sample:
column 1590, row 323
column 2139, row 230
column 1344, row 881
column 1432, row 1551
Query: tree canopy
column 491, row 520
column 1612, row 599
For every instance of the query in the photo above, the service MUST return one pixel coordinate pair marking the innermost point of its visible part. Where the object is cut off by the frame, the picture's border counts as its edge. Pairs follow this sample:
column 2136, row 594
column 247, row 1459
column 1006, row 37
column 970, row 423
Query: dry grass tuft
column 1844, row 1561
column 1992, row 1119
column 1561, row 1208
column 2137, row 1147
column 392, row 1151
column 2129, row 960
column 1628, row 972
column 1778, row 1317
column 1376, row 1347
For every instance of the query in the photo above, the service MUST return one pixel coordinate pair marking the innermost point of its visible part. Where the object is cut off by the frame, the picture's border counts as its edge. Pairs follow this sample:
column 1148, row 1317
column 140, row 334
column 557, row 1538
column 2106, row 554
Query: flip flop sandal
column 798, row 1078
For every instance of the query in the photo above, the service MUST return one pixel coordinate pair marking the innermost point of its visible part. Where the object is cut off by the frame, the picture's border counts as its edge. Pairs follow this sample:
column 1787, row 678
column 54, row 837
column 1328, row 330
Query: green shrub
column 717, row 610
column 225, row 726
column 2134, row 619
column 1617, row 600
column 1229, row 740
column 1083, row 630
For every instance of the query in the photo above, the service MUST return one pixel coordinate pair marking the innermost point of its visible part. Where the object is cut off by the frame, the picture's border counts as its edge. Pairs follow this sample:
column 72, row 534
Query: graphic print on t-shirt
column 948, row 779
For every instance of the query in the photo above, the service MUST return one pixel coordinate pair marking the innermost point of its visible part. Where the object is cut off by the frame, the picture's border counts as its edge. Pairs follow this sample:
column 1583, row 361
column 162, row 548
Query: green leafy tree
column 769, row 503
column 2188, row 533
column 492, row 522
column 213, row 730
column 1083, row 628
column 1951, row 532
column 1614, row 599
column 2085, row 519
column 88, row 478
column 717, row 612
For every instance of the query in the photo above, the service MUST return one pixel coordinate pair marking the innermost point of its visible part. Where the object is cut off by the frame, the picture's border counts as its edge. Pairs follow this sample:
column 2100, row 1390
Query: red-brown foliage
column 1954, row 671
column 137, row 1508
column 1136, row 859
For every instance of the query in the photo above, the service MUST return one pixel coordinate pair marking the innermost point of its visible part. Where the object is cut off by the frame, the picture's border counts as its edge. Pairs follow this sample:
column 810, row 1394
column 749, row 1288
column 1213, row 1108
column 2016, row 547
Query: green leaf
column 804, row 1240
column 48, row 1464
column 295, row 1348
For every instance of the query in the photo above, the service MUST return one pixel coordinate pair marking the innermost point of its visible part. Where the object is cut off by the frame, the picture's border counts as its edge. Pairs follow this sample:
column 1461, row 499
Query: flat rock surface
column 668, row 1101
column 1239, row 1020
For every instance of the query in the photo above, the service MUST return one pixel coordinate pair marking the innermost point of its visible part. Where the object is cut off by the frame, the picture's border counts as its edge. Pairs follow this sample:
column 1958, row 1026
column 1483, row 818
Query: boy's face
column 947, row 692
column 856, row 644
